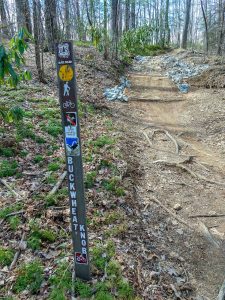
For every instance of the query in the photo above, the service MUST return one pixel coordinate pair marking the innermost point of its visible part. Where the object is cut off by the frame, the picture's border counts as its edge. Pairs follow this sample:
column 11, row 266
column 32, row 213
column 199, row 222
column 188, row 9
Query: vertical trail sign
column 71, row 130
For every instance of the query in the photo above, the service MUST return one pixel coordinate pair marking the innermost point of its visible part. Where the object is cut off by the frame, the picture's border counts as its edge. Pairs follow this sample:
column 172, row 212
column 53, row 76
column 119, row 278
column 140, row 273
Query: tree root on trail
column 162, row 150
column 221, row 295
column 170, row 212
column 188, row 170
column 207, row 216
column 199, row 228
column 169, row 136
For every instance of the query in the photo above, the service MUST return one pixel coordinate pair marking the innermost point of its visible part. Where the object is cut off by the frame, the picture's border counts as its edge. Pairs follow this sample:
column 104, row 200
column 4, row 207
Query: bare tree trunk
column 127, row 15
column 105, row 30
column 23, row 14
column 186, row 25
column 114, row 27
column 221, row 33
column 4, row 21
column 206, row 26
column 51, row 24
column 67, row 18
column 36, row 26
column 133, row 6
column 167, row 27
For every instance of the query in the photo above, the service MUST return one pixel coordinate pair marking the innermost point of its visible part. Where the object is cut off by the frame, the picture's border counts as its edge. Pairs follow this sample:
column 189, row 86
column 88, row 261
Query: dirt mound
column 214, row 77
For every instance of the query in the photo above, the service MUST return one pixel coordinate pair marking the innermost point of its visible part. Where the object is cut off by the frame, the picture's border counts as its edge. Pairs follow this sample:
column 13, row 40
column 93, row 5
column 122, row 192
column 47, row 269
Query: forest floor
column 151, row 166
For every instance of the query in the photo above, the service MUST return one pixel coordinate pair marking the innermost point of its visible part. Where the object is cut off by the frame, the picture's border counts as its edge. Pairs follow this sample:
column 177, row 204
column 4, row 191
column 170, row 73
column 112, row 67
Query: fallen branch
column 58, row 184
column 42, row 182
column 170, row 137
column 17, row 254
column 221, row 295
column 207, row 216
column 15, row 213
column 9, row 188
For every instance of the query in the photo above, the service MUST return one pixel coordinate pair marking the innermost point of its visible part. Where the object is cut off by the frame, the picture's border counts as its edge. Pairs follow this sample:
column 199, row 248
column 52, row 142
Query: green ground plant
column 37, row 236
column 90, row 179
column 8, row 168
column 61, row 282
column 38, row 158
column 53, row 166
column 10, row 209
column 112, row 185
column 6, row 257
column 30, row 276
column 14, row 222
column 7, row 152
column 102, row 141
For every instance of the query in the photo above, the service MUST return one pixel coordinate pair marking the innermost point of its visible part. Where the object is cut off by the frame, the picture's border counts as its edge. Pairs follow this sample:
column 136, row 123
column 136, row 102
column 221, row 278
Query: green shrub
column 82, row 289
column 37, row 236
column 8, row 168
column 53, row 128
column 7, row 152
column 14, row 222
column 30, row 277
column 61, row 282
column 90, row 179
column 10, row 209
column 137, row 42
column 6, row 257
column 102, row 140
column 38, row 158
column 53, row 167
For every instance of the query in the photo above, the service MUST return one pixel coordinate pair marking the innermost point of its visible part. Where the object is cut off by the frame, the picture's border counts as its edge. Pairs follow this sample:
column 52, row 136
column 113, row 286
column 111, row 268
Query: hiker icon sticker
column 65, row 73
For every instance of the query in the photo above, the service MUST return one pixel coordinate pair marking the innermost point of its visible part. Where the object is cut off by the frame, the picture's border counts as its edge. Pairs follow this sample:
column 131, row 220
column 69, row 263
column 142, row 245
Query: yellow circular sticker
column 65, row 73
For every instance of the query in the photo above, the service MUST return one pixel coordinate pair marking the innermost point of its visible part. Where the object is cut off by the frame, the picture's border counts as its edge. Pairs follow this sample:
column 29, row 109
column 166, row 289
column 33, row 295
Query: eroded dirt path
column 156, row 108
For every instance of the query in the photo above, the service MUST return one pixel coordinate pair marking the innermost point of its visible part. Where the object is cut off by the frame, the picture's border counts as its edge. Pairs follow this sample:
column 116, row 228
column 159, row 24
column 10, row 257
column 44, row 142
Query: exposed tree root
column 200, row 228
column 188, row 170
column 170, row 137
column 221, row 295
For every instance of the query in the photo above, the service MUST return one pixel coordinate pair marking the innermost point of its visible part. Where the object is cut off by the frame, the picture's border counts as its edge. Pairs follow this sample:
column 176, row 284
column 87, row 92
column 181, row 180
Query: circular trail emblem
column 65, row 73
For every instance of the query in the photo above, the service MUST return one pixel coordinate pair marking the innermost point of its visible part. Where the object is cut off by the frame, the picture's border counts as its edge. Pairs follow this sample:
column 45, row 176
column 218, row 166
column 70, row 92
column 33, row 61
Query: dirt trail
column 156, row 104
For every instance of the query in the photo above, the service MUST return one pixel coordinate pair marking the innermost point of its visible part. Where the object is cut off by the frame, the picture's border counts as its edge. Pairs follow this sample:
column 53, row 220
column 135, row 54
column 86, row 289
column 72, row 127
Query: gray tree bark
column 186, row 25
column 37, row 38
column 23, row 14
column 127, row 15
column 67, row 18
column 133, row 16
column 4, row 21
column 114, row 27
column 51, row 24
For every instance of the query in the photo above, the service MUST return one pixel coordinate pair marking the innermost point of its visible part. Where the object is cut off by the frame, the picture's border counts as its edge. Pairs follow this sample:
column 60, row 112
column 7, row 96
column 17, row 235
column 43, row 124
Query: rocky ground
column 151, row 165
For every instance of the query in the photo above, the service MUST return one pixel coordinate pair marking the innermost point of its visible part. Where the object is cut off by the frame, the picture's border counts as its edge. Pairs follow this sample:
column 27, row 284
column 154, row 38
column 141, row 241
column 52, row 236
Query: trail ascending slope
column 182, row 159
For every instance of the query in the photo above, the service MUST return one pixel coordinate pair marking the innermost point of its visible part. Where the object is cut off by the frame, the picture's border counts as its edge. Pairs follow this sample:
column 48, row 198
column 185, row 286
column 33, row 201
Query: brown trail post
column 71, row 130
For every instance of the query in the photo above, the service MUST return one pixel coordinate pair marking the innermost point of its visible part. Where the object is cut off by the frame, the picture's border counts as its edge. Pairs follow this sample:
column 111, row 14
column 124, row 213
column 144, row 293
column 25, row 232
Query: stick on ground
column 58, row 184
column 2, row 181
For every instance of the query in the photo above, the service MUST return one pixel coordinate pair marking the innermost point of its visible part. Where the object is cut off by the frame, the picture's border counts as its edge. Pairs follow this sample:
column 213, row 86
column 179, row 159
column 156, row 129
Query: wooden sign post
column 71, row 129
